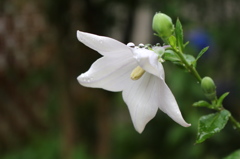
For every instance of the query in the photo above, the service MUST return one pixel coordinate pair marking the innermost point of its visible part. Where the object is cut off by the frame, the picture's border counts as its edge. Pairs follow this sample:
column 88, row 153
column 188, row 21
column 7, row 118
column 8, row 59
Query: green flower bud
column 209, row 88
column 163, row 25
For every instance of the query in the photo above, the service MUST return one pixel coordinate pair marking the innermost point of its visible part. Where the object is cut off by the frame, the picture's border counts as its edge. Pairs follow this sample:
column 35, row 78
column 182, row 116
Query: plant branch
column 235, row 123
column 189, row 67
column 195, row 73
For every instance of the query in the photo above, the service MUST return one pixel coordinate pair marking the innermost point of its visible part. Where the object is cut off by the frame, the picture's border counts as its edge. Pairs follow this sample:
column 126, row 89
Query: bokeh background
column 46, row 114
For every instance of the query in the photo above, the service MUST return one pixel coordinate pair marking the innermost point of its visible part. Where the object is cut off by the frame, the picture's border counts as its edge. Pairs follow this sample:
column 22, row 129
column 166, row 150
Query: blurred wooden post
column 103, row 123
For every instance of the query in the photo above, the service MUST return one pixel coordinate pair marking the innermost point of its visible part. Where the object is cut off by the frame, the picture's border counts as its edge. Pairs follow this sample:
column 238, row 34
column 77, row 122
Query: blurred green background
column 46, row 114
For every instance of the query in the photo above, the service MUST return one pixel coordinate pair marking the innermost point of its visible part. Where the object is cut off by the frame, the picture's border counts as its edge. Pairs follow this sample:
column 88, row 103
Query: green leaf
column 190, row 59
column 172, row 41
column 234, row 155
column 211, row 124
column 184, row 45
column 220, row 100
column 170, row 55
column 202, row 52
column 202, row 103
column 179, row 34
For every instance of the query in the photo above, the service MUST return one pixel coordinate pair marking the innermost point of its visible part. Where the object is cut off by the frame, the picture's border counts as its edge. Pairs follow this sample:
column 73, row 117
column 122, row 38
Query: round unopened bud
column 209, row 88
column 163, row 25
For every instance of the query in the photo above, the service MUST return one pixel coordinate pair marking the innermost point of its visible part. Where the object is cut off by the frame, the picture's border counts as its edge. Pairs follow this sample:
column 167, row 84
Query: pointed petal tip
column 139, row 130
column 79, row 79
column 139, row 126
column 79, row 34
column 181, row 121
column 186, row 124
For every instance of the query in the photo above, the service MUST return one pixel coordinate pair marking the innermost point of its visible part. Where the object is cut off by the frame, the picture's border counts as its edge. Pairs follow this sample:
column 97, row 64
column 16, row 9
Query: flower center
column 137, row 73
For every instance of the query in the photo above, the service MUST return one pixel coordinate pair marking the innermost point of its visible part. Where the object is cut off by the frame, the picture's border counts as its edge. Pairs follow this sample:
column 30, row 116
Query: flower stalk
column 192, row 70
column 235, row 123
column 177, row 46
column 189, row 67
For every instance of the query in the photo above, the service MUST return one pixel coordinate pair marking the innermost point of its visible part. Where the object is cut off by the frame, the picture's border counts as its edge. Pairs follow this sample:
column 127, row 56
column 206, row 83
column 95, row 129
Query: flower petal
column 168, row 104
column 109, row 73
column 104, row 45
column 148, row 60
column 142, row 100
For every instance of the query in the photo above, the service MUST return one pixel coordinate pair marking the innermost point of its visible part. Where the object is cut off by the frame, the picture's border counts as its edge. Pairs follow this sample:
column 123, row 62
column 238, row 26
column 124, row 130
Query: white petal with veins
column 104, row 45
column 141, row 99
column 109, row 73
column 168, row 104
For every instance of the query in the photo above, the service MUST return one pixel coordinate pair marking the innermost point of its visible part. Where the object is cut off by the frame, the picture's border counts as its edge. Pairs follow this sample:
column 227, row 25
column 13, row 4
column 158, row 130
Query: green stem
column 235, row 123
column 195, row 73
column 188, row 66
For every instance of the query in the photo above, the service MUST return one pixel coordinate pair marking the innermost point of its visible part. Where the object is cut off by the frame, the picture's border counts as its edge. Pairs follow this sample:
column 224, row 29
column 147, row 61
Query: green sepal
column 211, row 124
column 172, row 41
column 170, row 55
column 179, row 35
column 220, row 100
column 202, row 52
column 202, row 103
column 155, row 34
column 234, row 155
column 190, row 59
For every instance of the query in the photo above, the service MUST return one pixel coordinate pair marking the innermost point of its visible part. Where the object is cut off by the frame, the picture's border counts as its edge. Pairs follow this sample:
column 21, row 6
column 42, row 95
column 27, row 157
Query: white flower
column 144, row 89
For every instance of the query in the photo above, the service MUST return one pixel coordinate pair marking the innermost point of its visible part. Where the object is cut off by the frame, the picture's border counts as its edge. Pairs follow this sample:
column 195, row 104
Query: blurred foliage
column 45, row 113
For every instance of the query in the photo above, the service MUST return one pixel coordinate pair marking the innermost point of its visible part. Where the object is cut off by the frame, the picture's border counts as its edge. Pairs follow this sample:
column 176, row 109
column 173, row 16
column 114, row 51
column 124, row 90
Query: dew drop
column 130, row 44
column 80, row 38
column 141, row 45
column 147, row 46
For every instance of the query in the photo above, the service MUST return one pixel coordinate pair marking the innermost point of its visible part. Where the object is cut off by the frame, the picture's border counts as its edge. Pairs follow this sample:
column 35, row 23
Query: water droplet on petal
column 141, row 45
column 130, row 44
column 137, row 58
column 147, row 46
